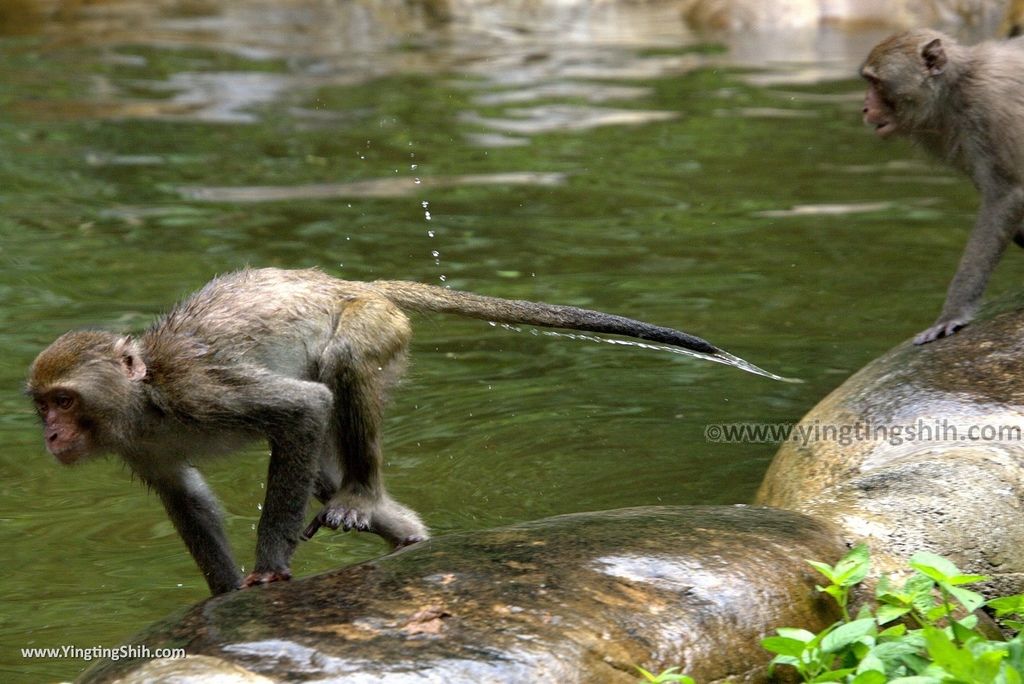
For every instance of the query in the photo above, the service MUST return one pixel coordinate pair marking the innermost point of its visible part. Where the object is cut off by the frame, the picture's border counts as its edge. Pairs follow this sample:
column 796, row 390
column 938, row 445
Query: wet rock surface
column 922, row 450
column 575, row 598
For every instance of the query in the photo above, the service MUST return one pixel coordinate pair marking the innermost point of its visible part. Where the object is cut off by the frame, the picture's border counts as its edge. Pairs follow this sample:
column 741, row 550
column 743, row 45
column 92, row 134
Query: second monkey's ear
column 934, row 56
column 131, row 362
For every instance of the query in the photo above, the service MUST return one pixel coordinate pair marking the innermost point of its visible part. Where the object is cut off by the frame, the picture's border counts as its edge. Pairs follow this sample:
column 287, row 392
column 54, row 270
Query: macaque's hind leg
column 365, row 357
column 328, row 478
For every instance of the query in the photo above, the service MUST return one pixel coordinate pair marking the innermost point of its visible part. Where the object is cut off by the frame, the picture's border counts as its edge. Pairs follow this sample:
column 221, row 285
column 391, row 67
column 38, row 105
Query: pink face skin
column 63, row 435
column 877, row 113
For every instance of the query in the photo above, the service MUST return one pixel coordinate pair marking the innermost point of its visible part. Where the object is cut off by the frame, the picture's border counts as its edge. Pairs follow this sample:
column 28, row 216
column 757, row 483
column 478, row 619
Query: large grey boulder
column 921, row 450
column 575, row 598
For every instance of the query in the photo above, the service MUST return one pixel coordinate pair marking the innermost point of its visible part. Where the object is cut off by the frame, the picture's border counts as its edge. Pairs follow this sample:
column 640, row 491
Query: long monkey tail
column 418, row 297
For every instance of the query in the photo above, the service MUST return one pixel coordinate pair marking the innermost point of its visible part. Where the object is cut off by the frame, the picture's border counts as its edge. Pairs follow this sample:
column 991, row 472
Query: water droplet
column 426, row 215
column 430, row 233
column 442, row 278
column 435, row 253
column 413, row 167
column 417, row 181
column 424, row 204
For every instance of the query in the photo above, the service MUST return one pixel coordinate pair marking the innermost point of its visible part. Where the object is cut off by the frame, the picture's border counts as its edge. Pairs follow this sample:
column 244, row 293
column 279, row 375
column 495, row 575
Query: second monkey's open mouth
column 884, row 129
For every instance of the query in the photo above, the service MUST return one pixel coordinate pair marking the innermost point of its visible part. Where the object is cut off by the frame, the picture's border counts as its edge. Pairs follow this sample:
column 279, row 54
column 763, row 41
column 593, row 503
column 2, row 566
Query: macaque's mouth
column 884, row 129
column 67, row 456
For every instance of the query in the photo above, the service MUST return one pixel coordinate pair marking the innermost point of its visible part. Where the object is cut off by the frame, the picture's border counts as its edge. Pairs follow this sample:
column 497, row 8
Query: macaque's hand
column 943, row 328
column 255, row 579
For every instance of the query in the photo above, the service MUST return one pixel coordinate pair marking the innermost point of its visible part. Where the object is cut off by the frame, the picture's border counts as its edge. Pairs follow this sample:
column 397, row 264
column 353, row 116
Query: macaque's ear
column 934, row 56
column 131, row 362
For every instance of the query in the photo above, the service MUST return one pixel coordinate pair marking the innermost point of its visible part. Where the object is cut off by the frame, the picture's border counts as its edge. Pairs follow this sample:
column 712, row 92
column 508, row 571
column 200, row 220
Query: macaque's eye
column 64, row 401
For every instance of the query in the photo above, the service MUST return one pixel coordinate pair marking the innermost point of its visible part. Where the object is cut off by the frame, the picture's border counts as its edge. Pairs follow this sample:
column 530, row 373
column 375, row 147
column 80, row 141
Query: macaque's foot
column 941, row 329
column 385, row 517
column 335, row 516
column 255, row 579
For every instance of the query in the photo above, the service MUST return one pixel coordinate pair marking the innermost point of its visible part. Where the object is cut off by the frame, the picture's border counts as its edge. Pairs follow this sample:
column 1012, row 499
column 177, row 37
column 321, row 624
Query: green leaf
column 871, row 663
column 846, row 634
column 835, row 591
column 1008, row 605
column 966, row 579
column 893, row 632
column 786, row 660
column 667, row 676
column 784, row 645
column 870, row 677
column 886, row 614
column 796, row 633
column 970, row 600
column 647, row 675
column 945, row 653
column 825, row 569
column 853, row 567
column 933, row 565
column 833, row 675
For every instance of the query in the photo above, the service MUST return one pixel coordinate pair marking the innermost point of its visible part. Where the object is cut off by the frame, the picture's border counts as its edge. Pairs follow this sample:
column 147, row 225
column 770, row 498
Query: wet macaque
column 298, row 358
column 964, row 104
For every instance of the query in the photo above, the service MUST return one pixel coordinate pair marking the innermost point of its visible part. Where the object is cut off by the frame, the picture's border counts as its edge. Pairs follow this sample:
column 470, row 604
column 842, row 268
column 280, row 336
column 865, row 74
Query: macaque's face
column 80, row 385
column 905, row 82
column 66, row 430
column 878, row 113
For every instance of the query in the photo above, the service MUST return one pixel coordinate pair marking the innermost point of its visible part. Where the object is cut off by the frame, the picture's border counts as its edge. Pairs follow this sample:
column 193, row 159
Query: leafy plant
column 923, row 632
column 667, row 676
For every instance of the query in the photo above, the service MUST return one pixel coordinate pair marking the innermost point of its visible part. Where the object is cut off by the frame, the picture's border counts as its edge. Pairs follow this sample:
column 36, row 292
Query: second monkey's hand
column 943, row 328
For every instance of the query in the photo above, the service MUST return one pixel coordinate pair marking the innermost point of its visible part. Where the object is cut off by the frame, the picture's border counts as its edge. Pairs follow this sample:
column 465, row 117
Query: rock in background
column 921, row 450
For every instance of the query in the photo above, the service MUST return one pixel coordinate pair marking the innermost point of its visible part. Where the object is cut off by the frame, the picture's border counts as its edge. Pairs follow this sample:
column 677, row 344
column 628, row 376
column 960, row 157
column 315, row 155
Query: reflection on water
column 591, row 154
column 378, row 187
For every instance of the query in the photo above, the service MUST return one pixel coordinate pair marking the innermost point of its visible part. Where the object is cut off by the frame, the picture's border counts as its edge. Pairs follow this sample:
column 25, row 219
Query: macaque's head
column 84, row 386
column 905, row 75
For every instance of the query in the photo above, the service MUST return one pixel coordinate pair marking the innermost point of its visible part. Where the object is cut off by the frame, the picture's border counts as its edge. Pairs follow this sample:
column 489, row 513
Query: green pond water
column 645, row 172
